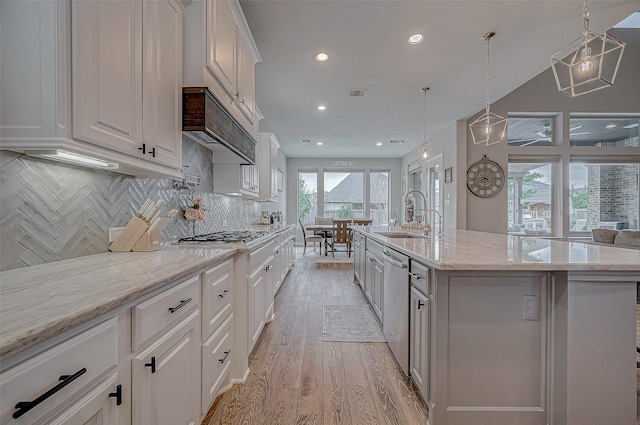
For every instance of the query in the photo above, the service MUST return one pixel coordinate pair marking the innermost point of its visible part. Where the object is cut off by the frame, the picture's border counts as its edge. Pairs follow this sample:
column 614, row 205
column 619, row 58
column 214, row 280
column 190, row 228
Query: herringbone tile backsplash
column 51, row 211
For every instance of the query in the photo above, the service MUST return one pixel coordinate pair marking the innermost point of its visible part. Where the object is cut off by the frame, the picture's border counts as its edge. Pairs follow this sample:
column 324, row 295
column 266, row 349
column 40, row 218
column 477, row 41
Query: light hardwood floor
column 297, row 378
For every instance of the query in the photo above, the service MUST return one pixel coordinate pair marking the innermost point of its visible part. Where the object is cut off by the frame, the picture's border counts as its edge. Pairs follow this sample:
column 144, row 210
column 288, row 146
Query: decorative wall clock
column 485, row 178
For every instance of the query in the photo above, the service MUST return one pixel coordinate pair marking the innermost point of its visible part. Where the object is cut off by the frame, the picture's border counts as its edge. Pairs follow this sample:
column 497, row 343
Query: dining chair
column 323, row 220
column 310, row 238
column 362, row 221
column 341, row 234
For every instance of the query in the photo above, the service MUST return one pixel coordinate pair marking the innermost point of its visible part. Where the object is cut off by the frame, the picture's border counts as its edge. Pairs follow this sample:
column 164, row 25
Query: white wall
column 444, row 142
column 541, row 95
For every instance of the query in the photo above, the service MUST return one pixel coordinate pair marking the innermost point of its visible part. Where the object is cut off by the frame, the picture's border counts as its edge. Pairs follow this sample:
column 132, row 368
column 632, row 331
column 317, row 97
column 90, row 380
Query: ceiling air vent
column 396, row 142
column 306, row 140
column 357, row 92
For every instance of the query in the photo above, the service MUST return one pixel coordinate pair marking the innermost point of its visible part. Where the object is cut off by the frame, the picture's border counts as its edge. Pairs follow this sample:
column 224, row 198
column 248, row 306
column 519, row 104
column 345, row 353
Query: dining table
column 326, row 229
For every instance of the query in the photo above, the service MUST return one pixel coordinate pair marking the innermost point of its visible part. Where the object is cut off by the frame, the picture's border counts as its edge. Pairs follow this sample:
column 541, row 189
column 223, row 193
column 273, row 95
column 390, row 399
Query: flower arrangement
column 194, row 211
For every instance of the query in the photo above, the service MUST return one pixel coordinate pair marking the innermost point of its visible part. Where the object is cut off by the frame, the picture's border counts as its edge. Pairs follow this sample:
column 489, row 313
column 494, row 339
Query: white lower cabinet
column 255, row 304
column 98, row 406
column 419, row 354
column 271, row 277
column 166, row 377
column 45, row 385
column 216, row 362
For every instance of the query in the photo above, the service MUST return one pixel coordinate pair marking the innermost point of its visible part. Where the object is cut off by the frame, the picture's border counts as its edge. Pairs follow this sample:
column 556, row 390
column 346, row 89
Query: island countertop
column 471, row 250
column 39, row 302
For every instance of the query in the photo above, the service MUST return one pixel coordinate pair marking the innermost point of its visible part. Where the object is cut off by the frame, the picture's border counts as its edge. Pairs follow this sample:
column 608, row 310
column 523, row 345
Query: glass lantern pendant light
column 589, row 63
column 490, row 128
column 425, row 150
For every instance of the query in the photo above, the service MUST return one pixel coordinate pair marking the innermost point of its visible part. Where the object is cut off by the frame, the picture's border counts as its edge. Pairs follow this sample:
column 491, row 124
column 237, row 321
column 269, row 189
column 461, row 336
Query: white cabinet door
column 216, row 362
column 221, row 45
column 271, row 276
column 358, row 260
column 245, row 96
column 166, row 377
column 419, row 353
column 368, row 279
column 107, row 73
column 98, row 406
column 34, row 61
column 162, row 82
column 255, row 304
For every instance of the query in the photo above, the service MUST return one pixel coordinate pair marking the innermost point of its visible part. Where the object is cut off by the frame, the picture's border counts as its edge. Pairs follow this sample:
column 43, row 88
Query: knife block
column 148, row 242
column 130, row 235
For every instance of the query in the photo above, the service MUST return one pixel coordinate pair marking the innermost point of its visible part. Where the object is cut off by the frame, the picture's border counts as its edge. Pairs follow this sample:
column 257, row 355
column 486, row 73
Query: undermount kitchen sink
column 400, row 235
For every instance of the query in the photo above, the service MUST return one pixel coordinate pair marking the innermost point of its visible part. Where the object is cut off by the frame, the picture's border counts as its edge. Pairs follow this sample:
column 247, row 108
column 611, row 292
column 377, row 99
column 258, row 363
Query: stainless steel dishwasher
column 395, row 323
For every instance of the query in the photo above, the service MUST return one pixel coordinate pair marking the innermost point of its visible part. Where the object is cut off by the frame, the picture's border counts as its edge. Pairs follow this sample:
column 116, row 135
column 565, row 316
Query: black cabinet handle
column 420, row 304
column 143, row 149
column 179, row 306
column 117, row 395
column 415, row 276
column 224, row 359
column 153, row 152
column 24, row 406
column 224, row 293
column 152, row 365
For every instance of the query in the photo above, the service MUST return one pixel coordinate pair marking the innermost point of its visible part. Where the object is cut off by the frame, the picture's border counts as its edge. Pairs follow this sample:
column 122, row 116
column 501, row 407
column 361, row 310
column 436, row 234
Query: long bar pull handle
column 24, row 406
column 394, row 262
column 179, row 306
column 415, row 276
column 224, row 359
column 420, row 304
column 153, row 152
column 152, row 365
column 224, row 293
column 117, row 395
column 143, row 149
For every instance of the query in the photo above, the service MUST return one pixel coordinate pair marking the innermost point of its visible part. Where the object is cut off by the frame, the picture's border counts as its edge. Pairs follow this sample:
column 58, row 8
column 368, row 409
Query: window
column 530, row 197
column 343, row 195
column 379, row 197
column 603, row 195
column 307, row 196
column 608, row 132
column 530, row 131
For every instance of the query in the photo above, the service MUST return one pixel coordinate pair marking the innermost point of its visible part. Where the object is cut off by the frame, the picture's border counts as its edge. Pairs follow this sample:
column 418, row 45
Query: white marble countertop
column 39, row 302
column 469, row 250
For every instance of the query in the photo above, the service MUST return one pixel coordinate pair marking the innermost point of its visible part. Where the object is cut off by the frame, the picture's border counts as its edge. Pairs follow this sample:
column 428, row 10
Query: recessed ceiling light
column 634, row 125
column 321, row 57
column 610, row 126
column 379, row 144
column 416, row 39
column 319, row 143
column 321, row 107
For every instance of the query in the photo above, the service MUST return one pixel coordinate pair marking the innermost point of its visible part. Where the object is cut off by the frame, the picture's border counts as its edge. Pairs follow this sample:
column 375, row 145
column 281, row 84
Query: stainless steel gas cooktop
column 225, row 237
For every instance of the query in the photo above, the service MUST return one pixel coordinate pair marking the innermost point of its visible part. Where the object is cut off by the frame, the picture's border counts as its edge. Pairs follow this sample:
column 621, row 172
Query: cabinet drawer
column 216, row 362
column 374, row 247
column 164, row 309
column 81, row 359
column 217, row 297
column 421, row 278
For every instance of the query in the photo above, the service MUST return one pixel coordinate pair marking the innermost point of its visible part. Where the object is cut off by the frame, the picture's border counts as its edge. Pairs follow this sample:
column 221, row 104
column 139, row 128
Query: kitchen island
column 521, row 330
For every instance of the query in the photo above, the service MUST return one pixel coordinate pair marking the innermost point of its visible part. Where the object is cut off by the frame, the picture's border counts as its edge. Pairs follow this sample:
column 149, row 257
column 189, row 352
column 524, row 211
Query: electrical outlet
column 447, row 202
column 530, row 307
column 114, row 232
column 224, row 222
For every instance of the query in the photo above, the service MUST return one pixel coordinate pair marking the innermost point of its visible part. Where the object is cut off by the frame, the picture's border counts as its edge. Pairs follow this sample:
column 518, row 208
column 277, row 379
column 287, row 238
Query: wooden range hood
column 205, row 120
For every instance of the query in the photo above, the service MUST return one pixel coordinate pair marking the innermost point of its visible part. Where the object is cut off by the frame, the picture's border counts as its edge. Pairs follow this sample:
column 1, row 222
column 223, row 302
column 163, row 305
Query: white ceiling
column 367, row 45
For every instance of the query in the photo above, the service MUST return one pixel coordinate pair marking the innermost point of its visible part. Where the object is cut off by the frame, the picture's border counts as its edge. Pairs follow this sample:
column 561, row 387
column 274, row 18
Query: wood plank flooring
column 297, row 378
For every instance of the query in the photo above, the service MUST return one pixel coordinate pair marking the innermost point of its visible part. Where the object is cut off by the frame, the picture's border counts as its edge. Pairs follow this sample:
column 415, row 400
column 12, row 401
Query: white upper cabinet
column 267, row 163
column 127, row 77
column 245, row 94
column 110, row 68
column 221, row 45
column 220, row 54
column 107, row 76
column 162, row 81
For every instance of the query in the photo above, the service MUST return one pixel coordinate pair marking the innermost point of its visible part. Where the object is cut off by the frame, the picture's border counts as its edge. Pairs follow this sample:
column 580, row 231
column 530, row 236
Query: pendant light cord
column 585, row 16
column 425, row 113
column 488, row 80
